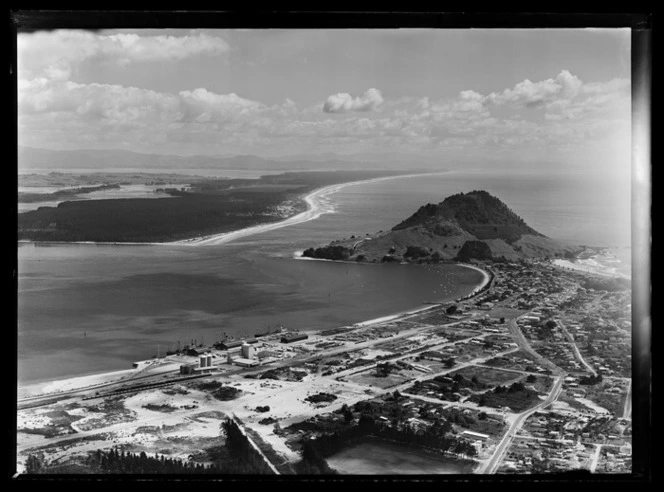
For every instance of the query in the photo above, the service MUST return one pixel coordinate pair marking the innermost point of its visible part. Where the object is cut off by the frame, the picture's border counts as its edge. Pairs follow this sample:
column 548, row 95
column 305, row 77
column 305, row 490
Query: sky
column 533, row 97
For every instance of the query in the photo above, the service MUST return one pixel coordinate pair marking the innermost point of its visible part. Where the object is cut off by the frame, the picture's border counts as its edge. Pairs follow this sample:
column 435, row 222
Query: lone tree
column 347, row 413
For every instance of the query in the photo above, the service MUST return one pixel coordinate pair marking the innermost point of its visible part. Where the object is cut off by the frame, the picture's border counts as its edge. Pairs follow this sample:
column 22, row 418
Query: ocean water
column 92, row 308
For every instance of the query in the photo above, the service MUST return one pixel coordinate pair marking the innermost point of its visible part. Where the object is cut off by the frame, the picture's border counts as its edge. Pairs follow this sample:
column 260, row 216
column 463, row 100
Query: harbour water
column 91, row 308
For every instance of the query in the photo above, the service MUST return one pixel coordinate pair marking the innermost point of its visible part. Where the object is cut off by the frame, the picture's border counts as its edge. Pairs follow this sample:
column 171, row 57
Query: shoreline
column 314, row 210
column 570, row 265
column 44, row 388
column 485, row 281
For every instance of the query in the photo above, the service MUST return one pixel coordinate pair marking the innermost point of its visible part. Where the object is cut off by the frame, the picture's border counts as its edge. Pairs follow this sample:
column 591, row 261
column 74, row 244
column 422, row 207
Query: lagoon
column 383, row 458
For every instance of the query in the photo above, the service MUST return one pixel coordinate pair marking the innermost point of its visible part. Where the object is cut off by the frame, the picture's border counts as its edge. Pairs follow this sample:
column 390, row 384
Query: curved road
column 577, row 354
column 521, row 341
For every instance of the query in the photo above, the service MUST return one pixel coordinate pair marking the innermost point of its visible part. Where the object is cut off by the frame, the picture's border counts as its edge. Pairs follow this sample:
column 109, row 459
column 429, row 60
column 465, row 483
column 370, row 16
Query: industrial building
column 247, row 351
column 293, row 337
column 188, row 369
column 205, row 360
column 204, row 365
column 242, row 362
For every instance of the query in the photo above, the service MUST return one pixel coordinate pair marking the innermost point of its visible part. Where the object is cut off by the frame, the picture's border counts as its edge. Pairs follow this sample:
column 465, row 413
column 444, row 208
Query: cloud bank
column 53, row 54
column 560, row 114
column 344, row 102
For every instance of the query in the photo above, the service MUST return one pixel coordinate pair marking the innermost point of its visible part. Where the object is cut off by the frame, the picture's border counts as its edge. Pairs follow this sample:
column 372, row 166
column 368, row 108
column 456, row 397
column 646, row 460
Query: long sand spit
column 315, row 202
column 315, row 208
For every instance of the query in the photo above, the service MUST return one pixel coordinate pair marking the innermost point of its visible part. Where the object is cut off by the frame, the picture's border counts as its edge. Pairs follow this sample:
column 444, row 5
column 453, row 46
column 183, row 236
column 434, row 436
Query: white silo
column 247, row 351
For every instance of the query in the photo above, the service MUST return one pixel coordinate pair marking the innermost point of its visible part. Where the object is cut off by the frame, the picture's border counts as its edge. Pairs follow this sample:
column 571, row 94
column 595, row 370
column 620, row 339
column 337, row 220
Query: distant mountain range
column 463, row 227
column 32, row 159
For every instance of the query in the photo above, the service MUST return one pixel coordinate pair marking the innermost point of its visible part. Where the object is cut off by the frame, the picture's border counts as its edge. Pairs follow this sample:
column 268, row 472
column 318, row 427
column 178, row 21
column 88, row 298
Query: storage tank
column 247, row 351
column 202, row 361
column 208, row 360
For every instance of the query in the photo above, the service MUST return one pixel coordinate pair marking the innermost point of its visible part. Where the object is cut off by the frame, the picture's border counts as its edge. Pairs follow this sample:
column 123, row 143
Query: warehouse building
column 293, row 337
column 242, row 362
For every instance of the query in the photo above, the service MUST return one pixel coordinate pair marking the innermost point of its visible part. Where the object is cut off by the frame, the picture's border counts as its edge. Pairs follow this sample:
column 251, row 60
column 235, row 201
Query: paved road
column 523, row 343
column 492, row 464
column 577, row 354
column 240, row 425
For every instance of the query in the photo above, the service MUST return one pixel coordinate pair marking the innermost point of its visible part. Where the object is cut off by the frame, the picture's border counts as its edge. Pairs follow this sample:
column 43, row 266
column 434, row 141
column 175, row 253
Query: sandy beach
column 596, row 270
column 91, row 381
column 317, row 205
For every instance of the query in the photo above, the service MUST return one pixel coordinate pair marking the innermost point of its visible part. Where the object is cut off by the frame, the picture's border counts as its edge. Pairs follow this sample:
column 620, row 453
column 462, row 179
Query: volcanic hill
column 465, row 226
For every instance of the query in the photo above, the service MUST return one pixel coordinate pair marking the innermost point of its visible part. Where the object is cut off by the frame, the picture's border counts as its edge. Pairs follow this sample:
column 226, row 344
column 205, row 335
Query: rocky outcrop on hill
column 474, row 250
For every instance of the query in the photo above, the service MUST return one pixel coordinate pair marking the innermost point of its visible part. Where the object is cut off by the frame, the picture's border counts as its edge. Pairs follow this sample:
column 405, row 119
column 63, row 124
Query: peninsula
column 463, row 227
column 206, row 207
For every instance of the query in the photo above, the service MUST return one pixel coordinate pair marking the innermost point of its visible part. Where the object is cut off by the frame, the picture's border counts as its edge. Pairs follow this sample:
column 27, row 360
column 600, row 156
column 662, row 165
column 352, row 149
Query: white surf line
column 314, row 210
column 566, row 264
column 485, row 280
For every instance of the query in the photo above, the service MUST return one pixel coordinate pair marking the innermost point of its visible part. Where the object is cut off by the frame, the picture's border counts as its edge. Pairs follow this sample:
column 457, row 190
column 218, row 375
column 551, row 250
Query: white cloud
column 94, row 101
column 574, row 115
column 54, row 54
column 202, row 105
column 344, row 102
column 535, row 94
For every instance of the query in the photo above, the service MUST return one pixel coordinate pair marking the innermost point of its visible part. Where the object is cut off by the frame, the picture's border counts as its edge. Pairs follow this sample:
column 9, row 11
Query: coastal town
column 530, row 373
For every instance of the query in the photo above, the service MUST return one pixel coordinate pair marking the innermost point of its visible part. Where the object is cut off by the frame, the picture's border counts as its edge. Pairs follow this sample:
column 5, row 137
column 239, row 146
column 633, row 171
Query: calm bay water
column 86, row 308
